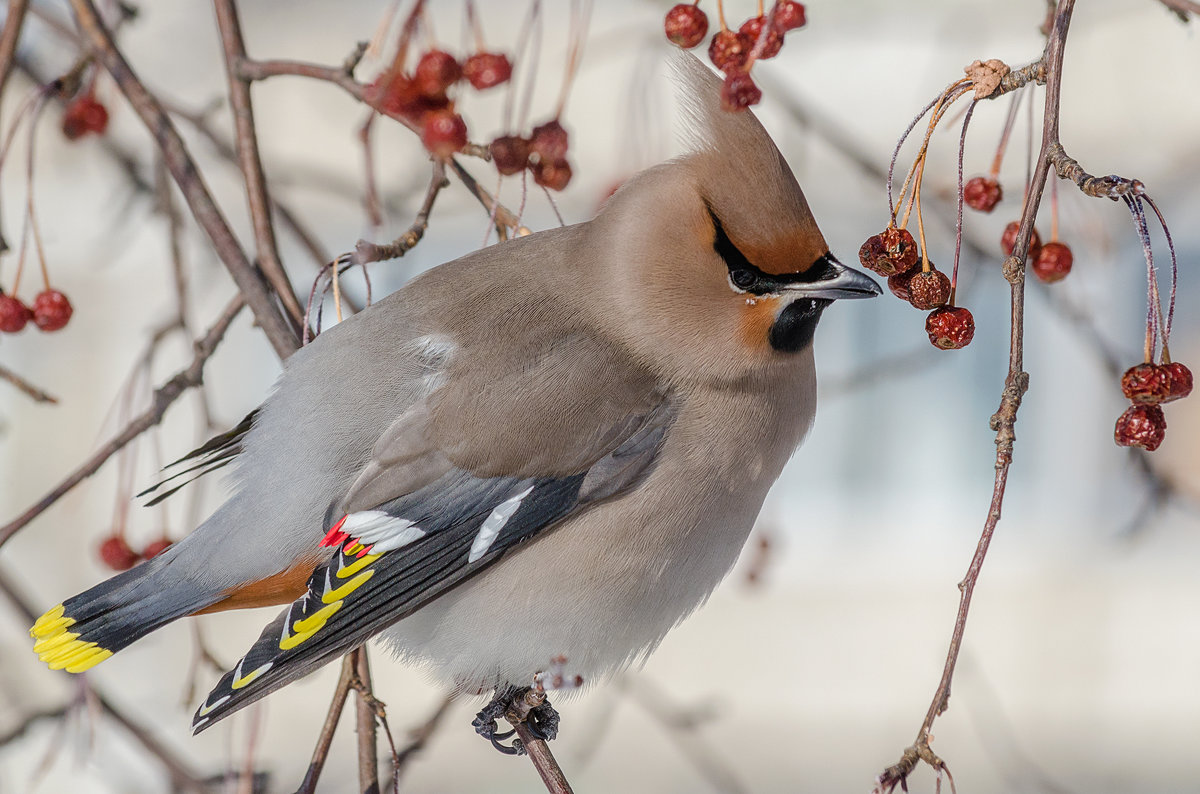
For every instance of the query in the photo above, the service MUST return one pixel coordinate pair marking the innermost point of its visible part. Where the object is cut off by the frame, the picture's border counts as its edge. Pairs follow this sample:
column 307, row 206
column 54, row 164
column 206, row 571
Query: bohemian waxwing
column 555, row 446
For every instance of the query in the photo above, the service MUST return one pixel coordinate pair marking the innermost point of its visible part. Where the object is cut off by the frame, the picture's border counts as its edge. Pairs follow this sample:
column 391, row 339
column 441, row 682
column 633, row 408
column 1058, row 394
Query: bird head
column 720, row 270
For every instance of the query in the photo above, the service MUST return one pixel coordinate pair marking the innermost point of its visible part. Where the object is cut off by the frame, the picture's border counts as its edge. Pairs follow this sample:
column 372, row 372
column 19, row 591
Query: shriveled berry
column 890, row 252
column 156, row 548
column 752, row 28
column 549, row 141
column 13, row 314
column 686, row 25
column 1053, row 262
column 486, row 70
column 51, row 310
column 898, row 283
column 728, row 50
column 1146, row 384
column 1141, row 426
column 928, row 290
column 83, row 115
column 443, row 132
column 392, row 93
column 1181, row 381
column 436, row 71
column 552, row 174
column 789, row 15
column 982, row 193
column 1009, row 239
column 950, row 327
column 116, row 554
column 739, row 92
column 510, row 154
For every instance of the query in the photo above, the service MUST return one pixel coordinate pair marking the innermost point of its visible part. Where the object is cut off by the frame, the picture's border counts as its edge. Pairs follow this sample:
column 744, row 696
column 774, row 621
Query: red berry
column 728, row 50
column 443, row 132
column 686, row 25
column 1053, row 262
column 950, row 327
column 928, row 290
column 487, row 69
column 510, row 154
column 1009, row 239
column 116, row 554
column 83, row 115
column 13, row 314
column 789, row 15
column 549, row 141
column 739, row 92
column 392, row 93
column 898, row 283
column 51, row 310
column 1146, row 384
column 982, row 193
column 890, row 252
column 1141, row 426
column 156, row 548
column 1181, row 381
column 552, row 174
column 752, row 28
column 436, row 71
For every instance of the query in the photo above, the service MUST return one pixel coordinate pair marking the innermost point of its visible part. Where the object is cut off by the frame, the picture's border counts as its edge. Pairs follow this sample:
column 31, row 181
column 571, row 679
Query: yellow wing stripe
column 248, row 678
column 317, row 619
column 346, row 589
column 357, row 565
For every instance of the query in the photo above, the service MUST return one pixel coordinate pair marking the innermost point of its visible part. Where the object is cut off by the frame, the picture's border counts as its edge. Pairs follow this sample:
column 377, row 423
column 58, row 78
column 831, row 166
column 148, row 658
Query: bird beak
column 841, row 282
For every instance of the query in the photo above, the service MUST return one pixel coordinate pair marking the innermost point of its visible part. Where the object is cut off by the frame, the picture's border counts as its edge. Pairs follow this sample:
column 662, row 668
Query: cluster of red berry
column 50, row 311
column 1050, row 262
column 84, row 115
column 734, row 52
column 117, row 554
column 544, row 153
column 1148, row 386
column 894, row 253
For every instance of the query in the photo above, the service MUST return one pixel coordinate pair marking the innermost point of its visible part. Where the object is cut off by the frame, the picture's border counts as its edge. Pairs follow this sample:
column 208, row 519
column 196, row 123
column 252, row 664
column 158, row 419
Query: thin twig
column 418, row 738
column 366, row 252
column 325, row 739
column 1182, row 8
column 251, row 162
column 33, row 391
column 162, row 399
column 539, row 753
column 368, row 751
column 208, row 215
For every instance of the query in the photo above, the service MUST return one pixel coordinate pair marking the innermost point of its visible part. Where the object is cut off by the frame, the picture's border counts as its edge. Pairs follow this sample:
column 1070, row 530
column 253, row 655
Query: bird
column 554, row 447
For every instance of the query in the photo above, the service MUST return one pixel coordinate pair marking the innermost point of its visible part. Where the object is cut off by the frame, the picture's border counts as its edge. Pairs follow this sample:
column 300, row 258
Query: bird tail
column 85, row 630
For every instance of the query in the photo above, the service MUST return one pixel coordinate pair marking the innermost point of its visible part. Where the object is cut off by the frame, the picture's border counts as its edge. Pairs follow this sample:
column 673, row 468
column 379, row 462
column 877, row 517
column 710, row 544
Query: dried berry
column 982, row 193
column 552, row 174
column 928, row 290
column 950, row 327
column 13, row 314
column 510, row 154
column 890, row 252
column 1146, row 384
column 486, row 70
column 156, row 548
column 392, row 93
column 443, row 132
column 752, row 29
column 686, row 25
column 1181, row 381
column 898, row 283
column 549, row 141
column 1141, row 426
column 116, row 554
column 83, row 115
column 51, row 310
column 739, row 92
column 1009, row 239
column 789, row 15
column 728, row 50
column 1053, row 262
column 436, row 71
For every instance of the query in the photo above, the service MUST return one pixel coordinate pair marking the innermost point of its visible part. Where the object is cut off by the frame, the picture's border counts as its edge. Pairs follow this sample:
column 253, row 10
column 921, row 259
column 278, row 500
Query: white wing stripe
column 494, row 523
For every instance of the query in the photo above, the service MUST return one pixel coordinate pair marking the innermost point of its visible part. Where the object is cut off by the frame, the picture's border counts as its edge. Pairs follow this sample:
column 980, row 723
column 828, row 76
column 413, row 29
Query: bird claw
column 542, row 720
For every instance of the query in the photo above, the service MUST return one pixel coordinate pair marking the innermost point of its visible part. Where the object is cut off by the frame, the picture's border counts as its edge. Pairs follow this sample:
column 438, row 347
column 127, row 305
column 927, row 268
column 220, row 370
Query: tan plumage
column 554, row 446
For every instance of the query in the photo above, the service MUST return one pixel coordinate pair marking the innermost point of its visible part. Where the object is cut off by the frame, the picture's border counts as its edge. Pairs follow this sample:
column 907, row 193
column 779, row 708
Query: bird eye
column 742, row 279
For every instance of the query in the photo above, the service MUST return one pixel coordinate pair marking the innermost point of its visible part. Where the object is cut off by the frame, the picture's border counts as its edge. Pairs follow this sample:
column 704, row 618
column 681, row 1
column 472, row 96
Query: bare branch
column 366, row 252
column 368, row 754
column 33, row 391
column 325, row 739
column 539, row 753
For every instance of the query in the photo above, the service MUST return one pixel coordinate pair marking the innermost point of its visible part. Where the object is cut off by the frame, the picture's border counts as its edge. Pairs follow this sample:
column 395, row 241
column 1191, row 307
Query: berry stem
column 30, row 211
column 581, row 12
column 476, row 28
column 958, row 220
column 1166, row 354
column 896, row 155
column 1153, row 303
column 529, row 30
column 721, row 15
column 1054, row 210
column 375, row 47
column 1009, row 120
column 940, row 106
column 760, row 8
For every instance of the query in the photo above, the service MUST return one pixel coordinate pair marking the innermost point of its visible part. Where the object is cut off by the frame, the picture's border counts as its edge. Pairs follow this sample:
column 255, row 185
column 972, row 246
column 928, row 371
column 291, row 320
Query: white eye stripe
column 491, row 526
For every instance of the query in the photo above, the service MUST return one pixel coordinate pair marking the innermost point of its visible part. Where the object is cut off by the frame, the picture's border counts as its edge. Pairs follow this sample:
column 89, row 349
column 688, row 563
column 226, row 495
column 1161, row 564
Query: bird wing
column 398, row 555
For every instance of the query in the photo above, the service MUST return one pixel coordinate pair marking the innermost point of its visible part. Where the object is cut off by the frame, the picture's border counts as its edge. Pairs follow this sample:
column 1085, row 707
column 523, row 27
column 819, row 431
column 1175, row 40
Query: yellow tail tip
column 62, row 649
column 50, row 623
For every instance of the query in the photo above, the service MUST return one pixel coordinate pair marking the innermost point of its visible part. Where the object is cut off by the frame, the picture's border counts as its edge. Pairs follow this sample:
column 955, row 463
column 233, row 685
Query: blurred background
column 812, row 666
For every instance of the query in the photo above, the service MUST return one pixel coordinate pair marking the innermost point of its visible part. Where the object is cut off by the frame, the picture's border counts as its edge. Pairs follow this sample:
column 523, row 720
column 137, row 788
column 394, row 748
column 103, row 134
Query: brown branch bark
column 13, row 23
column 539, row 752
column 366, row 252
column 32, row 391
column 251, row 163
column 257, row 294
column 368, row 751
column 162, row 399
column 325, row 739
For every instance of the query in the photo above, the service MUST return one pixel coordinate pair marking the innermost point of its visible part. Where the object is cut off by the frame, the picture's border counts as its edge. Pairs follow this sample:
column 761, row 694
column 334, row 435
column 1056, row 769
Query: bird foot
column 517, row 705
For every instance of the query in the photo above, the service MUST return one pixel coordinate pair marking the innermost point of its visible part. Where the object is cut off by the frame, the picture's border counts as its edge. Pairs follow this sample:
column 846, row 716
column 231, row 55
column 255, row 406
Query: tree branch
column 33, row 391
